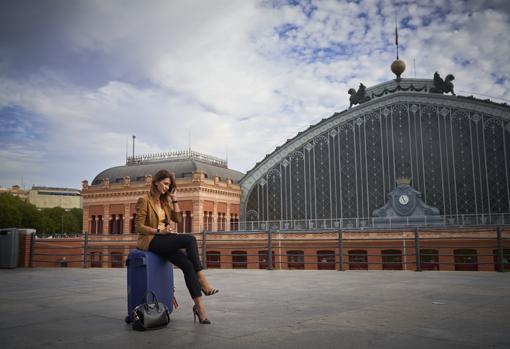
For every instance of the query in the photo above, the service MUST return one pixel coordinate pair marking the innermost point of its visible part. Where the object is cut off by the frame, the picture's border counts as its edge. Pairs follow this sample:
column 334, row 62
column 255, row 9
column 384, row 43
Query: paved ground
column 84, row 308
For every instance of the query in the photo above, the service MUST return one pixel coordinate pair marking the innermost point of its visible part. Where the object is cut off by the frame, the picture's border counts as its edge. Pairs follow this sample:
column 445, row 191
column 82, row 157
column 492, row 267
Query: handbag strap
column 154, row 298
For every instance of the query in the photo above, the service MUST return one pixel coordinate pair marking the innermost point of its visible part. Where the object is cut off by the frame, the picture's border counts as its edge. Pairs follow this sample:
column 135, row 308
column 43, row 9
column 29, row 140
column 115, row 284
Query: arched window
column 208, row 221
column 120, row 224
column 95, row 260
column 112, row 225
column 466, row 259
column 93, row 227
column 234, row 222
column 506, row 260
column 263, row 260
column 391, row 259
column 429, row 259
column 326, row 260
column 100, row 224
column 222, row 226
column 239, row 260
column 213, row 259
column 296, row 259
column 187, row 222
column 116, row 259
column 358, row 260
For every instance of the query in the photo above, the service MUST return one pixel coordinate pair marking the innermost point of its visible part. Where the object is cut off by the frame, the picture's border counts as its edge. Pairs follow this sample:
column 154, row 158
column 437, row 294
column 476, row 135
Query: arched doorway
column 358, row 260
column 466, row 260
column 429, row 259
column 326, row 260
column 391, row 259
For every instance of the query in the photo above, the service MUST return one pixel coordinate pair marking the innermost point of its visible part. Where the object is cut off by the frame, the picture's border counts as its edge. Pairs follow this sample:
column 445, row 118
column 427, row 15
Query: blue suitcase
column 146, row 271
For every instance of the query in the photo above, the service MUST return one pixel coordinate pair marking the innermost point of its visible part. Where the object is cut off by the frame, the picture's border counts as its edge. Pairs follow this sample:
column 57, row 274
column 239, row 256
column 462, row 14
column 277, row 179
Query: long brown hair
column 159, row 176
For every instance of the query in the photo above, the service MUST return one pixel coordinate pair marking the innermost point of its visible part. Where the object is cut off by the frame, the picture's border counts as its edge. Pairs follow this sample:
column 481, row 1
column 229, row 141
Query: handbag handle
column 154, row 299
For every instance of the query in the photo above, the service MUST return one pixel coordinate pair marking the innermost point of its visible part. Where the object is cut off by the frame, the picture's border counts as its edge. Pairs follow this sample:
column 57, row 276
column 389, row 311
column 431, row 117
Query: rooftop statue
column 358, row 97
column 441, row 86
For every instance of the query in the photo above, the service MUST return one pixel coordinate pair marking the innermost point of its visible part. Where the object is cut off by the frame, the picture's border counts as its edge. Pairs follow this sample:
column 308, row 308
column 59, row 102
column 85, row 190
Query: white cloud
column 224, row 73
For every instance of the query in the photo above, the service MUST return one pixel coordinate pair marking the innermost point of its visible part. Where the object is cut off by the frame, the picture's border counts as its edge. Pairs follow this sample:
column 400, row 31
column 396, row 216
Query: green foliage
column 16, row 213
column 10, row 216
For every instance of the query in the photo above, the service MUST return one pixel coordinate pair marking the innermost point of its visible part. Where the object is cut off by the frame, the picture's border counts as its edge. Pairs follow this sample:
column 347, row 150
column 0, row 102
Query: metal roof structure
column 181, row 163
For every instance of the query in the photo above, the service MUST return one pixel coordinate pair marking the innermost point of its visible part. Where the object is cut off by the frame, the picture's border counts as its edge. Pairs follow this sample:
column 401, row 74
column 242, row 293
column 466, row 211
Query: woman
column 153, row 214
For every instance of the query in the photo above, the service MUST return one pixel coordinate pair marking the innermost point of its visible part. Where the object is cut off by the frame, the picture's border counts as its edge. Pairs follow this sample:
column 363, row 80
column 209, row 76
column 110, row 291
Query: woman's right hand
column 166, row 230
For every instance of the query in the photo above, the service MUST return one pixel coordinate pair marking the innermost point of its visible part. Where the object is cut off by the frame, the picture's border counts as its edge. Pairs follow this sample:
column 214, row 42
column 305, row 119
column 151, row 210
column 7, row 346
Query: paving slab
column 85, row 308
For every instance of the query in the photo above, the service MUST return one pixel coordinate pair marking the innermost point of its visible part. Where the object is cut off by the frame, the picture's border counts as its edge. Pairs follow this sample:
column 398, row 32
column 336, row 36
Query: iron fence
column 340, row 249
column 411, row 248
column 364, row 223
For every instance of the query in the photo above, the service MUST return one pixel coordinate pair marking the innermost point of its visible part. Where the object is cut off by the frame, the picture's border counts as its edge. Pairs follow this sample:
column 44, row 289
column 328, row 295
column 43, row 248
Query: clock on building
column 403, row 199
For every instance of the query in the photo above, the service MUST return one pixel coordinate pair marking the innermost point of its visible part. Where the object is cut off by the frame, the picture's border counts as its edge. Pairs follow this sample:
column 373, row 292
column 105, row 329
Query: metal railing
column 461, row 220
column 339, row 249
column 81, row 250
column 413, row 248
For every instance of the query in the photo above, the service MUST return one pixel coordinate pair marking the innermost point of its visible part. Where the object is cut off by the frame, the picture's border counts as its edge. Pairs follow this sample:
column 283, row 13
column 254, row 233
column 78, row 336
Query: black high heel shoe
column 211, row 292
column 195, row 315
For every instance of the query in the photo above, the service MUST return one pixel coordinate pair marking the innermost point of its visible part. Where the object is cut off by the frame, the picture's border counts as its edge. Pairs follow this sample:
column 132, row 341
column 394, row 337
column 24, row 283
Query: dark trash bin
column 9, row 247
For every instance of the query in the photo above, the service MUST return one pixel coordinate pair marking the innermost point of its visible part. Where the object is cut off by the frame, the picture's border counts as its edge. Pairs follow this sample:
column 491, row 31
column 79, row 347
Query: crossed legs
column 170, row 246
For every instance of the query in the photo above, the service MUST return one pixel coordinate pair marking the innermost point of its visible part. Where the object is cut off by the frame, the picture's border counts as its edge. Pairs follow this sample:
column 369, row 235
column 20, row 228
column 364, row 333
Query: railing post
column 32, row 248
column 501, row 255
column 269, row 250
column 417, row 248
column 85, row 250
column 340, row 250
column 204, row 249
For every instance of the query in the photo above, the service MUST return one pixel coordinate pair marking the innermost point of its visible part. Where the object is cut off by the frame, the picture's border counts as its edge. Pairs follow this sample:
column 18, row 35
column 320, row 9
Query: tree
column 16, row 213
column 10, row 216
column 31, row 216
column 47, row 225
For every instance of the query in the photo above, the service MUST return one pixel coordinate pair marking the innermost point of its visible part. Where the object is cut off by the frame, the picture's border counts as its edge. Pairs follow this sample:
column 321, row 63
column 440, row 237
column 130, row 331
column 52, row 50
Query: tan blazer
column 147, row 220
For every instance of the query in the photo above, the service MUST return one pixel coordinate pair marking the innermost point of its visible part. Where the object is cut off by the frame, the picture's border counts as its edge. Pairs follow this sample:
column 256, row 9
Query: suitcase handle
column 136, row 262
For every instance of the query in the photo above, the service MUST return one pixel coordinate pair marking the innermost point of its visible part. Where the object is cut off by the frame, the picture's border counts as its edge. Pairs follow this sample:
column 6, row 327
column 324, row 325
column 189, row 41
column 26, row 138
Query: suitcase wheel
column 128, row 319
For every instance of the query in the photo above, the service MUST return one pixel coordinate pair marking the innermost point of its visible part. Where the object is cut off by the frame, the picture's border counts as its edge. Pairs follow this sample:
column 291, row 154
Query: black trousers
column 169, row 246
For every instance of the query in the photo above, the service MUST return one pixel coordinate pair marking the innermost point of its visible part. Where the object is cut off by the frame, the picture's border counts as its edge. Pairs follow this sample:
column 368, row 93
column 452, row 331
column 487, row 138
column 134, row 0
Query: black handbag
column 150, row 315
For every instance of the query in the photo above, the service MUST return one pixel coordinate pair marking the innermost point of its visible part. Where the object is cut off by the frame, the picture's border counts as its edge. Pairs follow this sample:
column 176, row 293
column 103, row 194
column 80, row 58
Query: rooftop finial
column 396, row 34
column 398, row 66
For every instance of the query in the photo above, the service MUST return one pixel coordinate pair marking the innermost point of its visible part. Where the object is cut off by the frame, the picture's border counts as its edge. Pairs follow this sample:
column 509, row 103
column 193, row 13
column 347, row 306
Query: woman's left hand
column 173, row 194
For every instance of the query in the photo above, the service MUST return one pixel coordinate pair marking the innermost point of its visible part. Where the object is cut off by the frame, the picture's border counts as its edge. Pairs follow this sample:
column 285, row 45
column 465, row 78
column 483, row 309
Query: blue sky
column 78, row 78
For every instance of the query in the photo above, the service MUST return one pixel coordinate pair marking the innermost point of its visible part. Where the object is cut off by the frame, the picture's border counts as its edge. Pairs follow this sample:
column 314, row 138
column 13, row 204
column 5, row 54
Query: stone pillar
column 198, row 216
column 86, row 219
column 190, row 228
column 106, row 219
column 374, row 262
column 127, row 218
column 227, row 217
column 215, row 217
column 252, row 259
column 105, row 258
column 310, row 259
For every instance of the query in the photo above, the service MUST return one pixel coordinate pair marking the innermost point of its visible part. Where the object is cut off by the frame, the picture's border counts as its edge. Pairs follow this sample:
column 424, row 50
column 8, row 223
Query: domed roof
column 182, row 167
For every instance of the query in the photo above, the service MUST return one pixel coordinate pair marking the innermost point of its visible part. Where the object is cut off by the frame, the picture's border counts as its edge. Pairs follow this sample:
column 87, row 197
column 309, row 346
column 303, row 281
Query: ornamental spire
column 398, row 66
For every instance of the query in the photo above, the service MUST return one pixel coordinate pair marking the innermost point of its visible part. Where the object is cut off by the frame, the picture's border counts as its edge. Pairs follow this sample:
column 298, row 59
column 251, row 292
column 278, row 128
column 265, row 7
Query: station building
column 410, row 169
column 209, row 193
